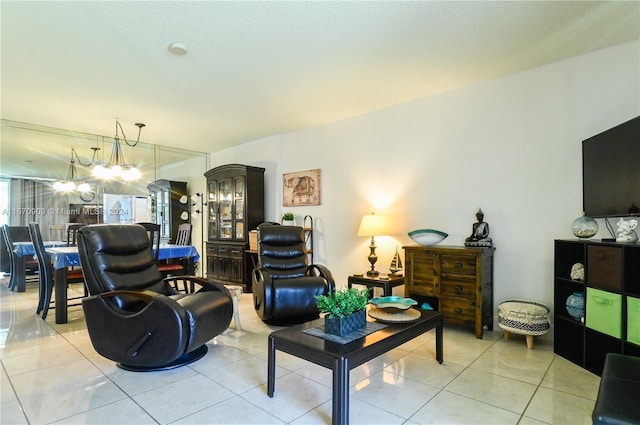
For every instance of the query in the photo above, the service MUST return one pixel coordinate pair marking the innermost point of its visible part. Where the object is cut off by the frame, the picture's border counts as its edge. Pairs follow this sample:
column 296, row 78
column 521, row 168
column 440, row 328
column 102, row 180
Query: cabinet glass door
column 158, row 208
column 212, row 205
column 225, row 203
column 239, row 195
column 166, row 217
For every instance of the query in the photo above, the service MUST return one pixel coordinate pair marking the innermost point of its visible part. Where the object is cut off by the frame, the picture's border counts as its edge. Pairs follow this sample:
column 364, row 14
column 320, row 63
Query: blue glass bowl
column 427, row 237
column 393, row 302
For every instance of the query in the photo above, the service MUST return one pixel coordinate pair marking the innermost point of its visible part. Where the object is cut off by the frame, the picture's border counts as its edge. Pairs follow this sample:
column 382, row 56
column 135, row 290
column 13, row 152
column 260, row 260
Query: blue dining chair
column 168, row 268
column 47, row 277
column 13, row 234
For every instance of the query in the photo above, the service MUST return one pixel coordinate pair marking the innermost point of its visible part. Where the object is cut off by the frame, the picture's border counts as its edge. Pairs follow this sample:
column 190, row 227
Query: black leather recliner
column 284, row 284
column 134, row 316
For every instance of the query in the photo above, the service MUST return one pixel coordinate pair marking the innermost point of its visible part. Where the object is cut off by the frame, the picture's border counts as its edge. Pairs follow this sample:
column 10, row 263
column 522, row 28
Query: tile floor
column 51, row 374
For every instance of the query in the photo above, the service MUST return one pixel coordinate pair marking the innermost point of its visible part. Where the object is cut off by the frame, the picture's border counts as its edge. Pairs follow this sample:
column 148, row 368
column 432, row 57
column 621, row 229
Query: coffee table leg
column 439, row 351
column 340, row 407
column 271, row 367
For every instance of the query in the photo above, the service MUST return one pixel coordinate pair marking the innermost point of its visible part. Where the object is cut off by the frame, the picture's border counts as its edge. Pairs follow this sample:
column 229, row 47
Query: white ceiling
column 256, row 69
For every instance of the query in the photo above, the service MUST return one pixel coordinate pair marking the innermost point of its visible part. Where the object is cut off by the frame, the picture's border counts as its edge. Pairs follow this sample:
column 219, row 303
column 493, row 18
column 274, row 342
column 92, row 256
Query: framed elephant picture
column 301, row 188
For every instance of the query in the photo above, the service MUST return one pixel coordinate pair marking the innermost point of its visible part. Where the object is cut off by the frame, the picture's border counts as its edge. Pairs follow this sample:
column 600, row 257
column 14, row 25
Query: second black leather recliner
column 284, row 284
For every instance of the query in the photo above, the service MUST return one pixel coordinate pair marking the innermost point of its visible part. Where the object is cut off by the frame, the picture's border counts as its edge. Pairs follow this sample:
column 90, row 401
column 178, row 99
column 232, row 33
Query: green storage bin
column 604, row 312
column 633, row 320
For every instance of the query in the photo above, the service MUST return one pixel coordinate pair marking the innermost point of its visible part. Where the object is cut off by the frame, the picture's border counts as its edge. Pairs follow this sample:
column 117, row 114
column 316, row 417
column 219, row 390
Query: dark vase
column 344, row 325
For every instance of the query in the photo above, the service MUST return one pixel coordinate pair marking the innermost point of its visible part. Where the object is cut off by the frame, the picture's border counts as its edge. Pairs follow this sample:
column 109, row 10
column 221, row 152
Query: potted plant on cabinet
column 287, row 219
column 345, row 310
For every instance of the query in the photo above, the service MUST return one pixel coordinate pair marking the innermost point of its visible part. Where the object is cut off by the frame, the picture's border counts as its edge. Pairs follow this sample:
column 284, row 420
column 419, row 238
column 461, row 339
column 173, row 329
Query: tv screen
column 611, row 172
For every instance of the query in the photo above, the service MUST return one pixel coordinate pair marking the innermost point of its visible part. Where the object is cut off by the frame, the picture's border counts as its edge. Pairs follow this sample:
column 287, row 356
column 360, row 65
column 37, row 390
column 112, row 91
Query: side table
column 385, row 282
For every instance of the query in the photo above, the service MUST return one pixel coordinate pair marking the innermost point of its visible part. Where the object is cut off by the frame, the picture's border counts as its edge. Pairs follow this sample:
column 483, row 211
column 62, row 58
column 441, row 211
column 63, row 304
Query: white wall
column 511, row 146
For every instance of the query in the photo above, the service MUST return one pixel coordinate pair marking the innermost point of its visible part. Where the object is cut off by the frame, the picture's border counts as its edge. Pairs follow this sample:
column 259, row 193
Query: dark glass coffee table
column 341, row 358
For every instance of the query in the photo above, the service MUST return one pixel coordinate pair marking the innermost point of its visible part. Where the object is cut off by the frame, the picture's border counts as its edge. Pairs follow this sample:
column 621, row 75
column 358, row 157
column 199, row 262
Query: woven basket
column 524, row 317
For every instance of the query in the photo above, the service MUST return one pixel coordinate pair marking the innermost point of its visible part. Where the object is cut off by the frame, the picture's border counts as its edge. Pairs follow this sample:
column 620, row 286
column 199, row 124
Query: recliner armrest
column 262, row 292
column 205, row 284
column 324, row 272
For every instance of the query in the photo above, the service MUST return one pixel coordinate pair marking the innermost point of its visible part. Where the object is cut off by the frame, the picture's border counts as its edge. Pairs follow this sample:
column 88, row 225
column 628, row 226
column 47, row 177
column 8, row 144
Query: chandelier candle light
column 117, row 168
column 72, row 184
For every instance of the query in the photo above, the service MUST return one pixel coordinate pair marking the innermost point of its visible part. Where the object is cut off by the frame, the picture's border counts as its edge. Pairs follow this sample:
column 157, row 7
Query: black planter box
column 344, row 325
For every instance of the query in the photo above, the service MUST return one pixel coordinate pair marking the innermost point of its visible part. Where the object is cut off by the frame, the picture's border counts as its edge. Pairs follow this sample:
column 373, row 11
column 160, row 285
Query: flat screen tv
column 611, row 172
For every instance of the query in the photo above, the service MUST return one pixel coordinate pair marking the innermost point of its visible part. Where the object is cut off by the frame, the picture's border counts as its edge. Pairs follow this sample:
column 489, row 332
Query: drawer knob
column 458, row 265
column 458, row 288
column 458, row 310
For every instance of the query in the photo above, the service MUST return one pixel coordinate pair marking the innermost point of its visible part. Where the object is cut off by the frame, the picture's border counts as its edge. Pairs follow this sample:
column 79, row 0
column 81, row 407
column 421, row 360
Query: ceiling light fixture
column 179, row 49
column 117, row 168
column 72, row 184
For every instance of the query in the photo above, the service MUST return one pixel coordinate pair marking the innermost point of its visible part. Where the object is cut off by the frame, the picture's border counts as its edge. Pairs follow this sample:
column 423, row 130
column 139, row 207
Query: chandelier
column 72, row 184
column 117, row 168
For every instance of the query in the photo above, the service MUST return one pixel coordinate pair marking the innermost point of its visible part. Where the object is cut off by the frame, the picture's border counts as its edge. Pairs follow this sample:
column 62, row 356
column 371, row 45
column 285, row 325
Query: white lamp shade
column 116, row 170
column 374, row 225
column 99, row 171
column 129, row 174
column 84, row 187
column 68, row 187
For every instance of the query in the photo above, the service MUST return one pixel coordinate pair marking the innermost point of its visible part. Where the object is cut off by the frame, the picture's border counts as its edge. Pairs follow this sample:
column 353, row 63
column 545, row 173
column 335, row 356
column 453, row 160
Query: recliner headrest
column 118, row 256
column 280, row 235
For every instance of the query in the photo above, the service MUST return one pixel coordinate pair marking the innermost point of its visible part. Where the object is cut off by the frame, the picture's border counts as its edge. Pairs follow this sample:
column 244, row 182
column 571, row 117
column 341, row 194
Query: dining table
column 64, row 257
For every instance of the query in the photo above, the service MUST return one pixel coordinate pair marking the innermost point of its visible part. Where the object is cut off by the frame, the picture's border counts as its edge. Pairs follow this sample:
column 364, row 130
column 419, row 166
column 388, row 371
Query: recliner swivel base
column 185, row 359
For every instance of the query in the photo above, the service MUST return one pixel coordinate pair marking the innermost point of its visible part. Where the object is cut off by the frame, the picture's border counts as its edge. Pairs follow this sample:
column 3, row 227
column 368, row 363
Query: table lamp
column 373, row 225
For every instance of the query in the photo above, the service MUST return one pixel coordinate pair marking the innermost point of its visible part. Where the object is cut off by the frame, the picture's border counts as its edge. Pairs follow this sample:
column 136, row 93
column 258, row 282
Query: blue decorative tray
column 393, row 302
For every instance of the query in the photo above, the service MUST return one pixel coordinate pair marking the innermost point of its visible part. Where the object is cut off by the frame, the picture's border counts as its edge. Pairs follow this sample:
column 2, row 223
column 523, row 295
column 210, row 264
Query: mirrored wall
column 39, row 152
column 34, row 157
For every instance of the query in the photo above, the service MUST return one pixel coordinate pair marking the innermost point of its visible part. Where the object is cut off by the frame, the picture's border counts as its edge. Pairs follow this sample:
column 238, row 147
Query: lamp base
column 372, row 259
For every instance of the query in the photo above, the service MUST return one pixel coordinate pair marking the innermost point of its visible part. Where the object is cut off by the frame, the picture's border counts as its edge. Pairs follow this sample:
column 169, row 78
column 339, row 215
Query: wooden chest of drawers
column 459, row 280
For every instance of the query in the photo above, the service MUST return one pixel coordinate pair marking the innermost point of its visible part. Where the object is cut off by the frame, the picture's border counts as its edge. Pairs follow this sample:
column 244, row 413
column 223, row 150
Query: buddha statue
column 480, row 234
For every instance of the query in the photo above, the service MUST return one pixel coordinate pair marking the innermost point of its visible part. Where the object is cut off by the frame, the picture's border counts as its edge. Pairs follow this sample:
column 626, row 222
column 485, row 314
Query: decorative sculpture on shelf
column 396, row 263
column 480, row 234
column 626, row 230
column 577, row 272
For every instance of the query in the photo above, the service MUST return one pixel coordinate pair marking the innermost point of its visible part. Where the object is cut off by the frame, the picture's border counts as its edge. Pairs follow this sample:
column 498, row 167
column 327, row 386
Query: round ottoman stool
column 522, row 317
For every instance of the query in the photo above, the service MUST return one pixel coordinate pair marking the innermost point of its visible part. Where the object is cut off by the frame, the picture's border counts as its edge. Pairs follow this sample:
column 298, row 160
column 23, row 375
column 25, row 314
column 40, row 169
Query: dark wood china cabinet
column 235, row 206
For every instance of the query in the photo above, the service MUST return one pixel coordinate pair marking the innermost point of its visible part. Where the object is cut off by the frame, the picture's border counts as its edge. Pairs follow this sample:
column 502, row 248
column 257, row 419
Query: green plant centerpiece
column 345, row 310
